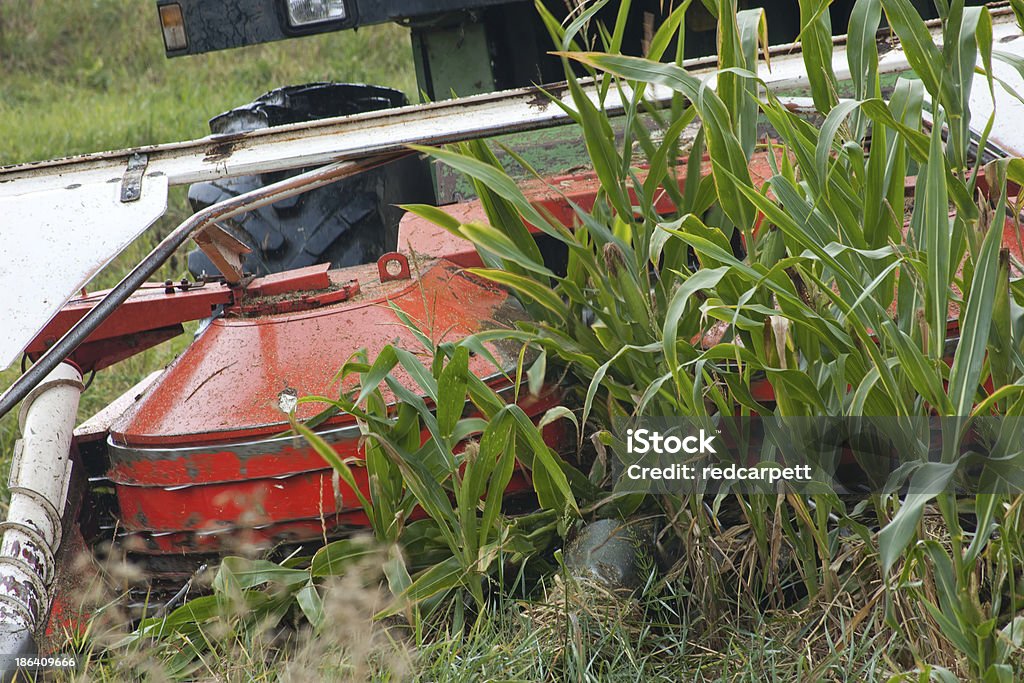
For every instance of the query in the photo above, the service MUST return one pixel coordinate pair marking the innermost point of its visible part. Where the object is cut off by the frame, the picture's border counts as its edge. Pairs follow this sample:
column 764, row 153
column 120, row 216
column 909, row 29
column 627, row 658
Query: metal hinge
column 131, row 183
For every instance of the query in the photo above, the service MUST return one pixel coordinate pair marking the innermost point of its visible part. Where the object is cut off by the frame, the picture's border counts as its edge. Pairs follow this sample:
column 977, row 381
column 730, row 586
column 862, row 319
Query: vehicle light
column 306, row 12
column 173, row 24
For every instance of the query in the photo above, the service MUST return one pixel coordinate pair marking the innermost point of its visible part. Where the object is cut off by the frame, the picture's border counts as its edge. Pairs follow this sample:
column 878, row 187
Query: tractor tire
column 350, row 222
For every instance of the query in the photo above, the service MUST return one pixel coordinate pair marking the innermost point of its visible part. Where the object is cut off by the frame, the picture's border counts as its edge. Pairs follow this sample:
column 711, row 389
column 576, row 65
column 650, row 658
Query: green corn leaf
column 619, row 30
column 439, row 443
column 385, row 361
column 919, row 145
column 753, row 30
column 311, row 604
column 1011, row 637
column 241, row 573
column 985, row 506
column 816, row 39
column 974, row 29
column 417, row 371
column 536, row 374
column 580, row 22
column 552, row 415
column 922, row 54
column 976, row 321
column 864, row 393
column 525, row 286
column 1018, row 12
column 916, row 367
column 595, row 382
column 433, row 214
column 796, row 389
column 552, row 487
column 429, row 493
column 652, row 390
column 862, row 52
column 335, row 558
column 933, row 205
column 501, row 211
column 724, row 147
column 826, row 142
column 334, row 460
column 600, row 143
column 395, row 571
column 506, row 188
column 722, row 254
column 451, row 390
column 442, row 577
column 705, row 278
column 496, row 242
column 730, row 54
column 1001, row 350
column 927, row 481
column 659, row 162
column 501, row 474
column 728, row 41
column 479, row 469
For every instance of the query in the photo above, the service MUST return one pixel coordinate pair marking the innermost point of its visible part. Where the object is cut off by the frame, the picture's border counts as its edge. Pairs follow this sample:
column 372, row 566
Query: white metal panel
column 54, row 241
column 315, row 143
column 1008, row 129
column 99, row 424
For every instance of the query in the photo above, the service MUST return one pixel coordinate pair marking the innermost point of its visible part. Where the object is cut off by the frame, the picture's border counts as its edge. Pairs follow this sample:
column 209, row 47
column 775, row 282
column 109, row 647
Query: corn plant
column 626, row 313
column 449, row 448
column 841, row 309
column 250, row 599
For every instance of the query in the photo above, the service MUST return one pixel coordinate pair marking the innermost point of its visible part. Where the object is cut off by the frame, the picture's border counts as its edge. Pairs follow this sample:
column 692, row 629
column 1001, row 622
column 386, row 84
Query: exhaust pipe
column 32, row 532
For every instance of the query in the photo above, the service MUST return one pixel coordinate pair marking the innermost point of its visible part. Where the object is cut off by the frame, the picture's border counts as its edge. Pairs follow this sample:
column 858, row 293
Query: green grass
column 87, row 76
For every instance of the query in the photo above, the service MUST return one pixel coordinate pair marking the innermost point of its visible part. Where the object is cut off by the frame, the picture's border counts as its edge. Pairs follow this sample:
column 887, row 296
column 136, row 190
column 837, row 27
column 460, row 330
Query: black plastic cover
column 221, row 24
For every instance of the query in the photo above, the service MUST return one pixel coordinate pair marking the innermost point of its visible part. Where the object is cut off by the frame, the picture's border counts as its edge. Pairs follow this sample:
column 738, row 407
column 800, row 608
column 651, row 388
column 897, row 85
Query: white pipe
column 40, row 475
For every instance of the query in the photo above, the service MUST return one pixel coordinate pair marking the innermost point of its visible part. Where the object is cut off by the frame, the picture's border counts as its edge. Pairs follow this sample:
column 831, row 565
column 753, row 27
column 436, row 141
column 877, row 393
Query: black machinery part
column 351, row 222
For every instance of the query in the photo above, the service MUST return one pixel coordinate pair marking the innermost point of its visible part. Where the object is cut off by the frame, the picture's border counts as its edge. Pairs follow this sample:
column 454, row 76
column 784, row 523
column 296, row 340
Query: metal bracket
column 224, row 249
column 393, row 266
column 131, row 183
column 12, row 477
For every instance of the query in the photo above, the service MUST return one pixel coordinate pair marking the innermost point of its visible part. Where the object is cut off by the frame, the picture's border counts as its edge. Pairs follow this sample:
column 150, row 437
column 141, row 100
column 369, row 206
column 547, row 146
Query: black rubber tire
column 351, row 222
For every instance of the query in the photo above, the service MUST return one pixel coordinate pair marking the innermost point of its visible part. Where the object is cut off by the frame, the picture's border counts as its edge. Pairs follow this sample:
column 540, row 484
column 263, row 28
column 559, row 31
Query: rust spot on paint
column 22, row 591
column 219, row 151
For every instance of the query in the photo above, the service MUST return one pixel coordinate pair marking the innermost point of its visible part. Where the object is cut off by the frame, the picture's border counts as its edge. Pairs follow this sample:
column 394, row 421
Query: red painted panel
column 226, row 386
column 553, row 196
column 310, row 278
column 251, row 502
column 149, row 308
